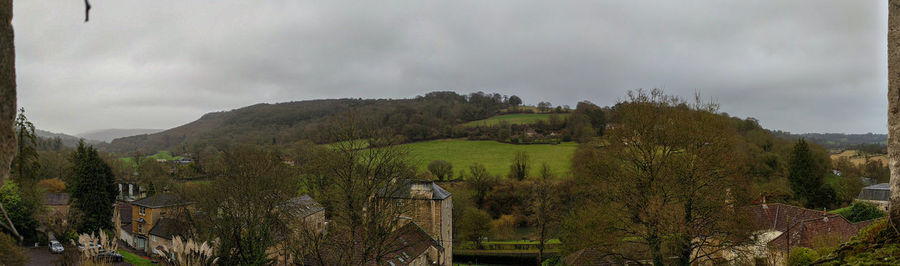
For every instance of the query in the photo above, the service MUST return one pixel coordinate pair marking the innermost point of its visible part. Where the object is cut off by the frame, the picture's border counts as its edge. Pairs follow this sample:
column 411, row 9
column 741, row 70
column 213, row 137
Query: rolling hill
column 107, row 135
column 67, row 140
column 431, row 116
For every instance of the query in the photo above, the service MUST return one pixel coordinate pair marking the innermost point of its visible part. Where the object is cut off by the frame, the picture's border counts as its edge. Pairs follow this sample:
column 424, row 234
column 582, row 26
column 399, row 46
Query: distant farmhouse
column 878, row 194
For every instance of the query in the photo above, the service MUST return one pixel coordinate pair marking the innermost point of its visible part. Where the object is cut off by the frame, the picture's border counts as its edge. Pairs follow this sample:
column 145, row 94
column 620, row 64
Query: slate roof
column 159, row 201
column 303, row 206
column 406, row 187
column 587, row 256
column 166, row 228
column 880, row 192
column 410, row 241
column 56, row 199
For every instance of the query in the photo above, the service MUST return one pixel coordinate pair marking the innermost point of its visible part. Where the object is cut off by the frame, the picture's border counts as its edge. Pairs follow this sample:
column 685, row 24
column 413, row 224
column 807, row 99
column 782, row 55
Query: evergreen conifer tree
column 94, row 189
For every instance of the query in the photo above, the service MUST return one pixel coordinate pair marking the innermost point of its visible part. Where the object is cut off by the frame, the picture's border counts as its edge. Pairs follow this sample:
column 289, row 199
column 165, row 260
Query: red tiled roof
column 806, row 227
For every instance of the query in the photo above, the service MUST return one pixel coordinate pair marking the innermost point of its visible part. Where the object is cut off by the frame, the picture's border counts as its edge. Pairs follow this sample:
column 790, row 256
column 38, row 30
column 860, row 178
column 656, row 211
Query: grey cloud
column 802, row 66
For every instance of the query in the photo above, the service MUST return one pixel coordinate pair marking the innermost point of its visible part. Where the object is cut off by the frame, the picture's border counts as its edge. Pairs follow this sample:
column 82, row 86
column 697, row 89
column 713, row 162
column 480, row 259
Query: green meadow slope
column 495, row 156
column 513, row 119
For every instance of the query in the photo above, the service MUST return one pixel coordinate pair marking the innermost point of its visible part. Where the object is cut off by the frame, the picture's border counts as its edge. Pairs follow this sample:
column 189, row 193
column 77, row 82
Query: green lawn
column 495, row 156
column 134, row 259
column 513, row 119
column 159, row 155
column 842, row 211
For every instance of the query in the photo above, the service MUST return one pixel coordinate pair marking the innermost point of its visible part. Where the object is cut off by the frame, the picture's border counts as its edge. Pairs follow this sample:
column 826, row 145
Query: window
column 153, row 238
column 142, row 210
column 141, row 228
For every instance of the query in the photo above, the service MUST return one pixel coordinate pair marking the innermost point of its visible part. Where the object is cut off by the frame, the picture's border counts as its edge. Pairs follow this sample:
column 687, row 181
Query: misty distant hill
column 67, row 140
column 837, row 141
column 108, row 135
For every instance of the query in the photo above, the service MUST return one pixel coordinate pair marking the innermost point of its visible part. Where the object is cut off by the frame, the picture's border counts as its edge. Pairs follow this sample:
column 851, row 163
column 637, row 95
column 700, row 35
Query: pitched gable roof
column 881, row 192
column 166, row 228
column 302, row 206
column 587, row 256
column 780, row 217
column 410, row 241
column 805, row 227
column 159, row 201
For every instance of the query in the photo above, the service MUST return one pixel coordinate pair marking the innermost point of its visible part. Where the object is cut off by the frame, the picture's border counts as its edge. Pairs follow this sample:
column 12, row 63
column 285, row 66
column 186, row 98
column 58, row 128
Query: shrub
column 802, row 256
column 870, row 233
column 863, row 211
column 10, row 253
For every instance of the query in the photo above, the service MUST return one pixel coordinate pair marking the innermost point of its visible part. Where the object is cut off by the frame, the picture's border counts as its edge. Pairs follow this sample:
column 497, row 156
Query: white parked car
column 56, row 247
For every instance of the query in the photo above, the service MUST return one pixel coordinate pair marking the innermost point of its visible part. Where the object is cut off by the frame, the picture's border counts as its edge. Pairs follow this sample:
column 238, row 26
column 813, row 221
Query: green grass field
column 495, row 156
column 159, row 155
column 517, row 119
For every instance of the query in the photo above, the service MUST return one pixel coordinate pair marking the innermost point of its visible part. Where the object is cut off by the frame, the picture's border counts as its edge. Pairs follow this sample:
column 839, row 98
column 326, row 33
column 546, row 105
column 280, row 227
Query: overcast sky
column 800, row 66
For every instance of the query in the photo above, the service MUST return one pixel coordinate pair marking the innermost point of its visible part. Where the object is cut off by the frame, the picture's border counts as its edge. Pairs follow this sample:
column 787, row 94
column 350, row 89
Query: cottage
column 164, row 231
column 147, row 213
column 58, row 203
column 416, row 247
column 431, row 207
column 782, row 227
column 306, row 211
column 878, row 194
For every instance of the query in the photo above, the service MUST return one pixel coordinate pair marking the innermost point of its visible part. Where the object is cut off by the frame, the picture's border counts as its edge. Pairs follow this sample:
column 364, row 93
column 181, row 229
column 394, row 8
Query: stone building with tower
column 431, row 208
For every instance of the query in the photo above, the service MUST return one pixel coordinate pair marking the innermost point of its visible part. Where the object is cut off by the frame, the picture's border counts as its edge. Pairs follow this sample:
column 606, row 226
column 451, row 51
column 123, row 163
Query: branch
column 11, row 226
column 87, row 10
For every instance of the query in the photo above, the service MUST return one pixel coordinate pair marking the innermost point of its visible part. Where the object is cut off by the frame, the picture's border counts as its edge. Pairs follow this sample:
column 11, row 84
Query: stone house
column 147, row 213
column 58, row 203
column 164, row 231
column 306, row 211
column 431, row 207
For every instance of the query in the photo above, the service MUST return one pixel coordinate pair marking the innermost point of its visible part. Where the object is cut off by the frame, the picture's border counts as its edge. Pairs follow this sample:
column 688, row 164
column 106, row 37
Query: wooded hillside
column 425, row 117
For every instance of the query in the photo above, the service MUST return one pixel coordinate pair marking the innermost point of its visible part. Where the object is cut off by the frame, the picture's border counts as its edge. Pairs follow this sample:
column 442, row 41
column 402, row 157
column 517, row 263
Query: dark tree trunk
column 655, row 249
column 685, row 241
column 7, row 97
column 894, row 107
column 7, row 90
